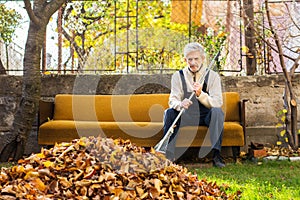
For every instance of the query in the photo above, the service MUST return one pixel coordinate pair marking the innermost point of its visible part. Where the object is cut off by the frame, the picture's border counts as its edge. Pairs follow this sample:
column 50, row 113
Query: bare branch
column 289, row 12
column 297, row 48
column 295, row 66
column 275, row 49
column 294, row 36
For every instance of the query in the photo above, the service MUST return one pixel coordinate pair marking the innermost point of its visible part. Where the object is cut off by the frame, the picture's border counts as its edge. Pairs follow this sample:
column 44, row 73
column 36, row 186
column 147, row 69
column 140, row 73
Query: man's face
column 194, row 60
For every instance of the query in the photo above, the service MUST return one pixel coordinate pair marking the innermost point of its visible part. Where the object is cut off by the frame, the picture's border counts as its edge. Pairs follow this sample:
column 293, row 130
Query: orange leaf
column 154, row 193
column 37, row 183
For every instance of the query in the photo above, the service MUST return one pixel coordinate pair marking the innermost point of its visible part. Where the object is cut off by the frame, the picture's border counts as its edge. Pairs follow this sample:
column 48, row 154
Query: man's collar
column 192, row 71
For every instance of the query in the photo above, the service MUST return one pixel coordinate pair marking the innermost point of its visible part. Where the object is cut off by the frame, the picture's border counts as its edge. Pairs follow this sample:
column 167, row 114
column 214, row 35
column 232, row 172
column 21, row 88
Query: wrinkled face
column 194, row 60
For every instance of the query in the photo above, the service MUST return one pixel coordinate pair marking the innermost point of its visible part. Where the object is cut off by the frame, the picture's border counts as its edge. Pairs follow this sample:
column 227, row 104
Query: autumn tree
column 39, row 14
column 83, row 22
column 9, row 21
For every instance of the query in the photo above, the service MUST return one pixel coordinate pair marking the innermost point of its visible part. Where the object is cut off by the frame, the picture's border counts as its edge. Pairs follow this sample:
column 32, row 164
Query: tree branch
column 52, row 6
column 78, row 50
column 30, row 13
column 69, row 38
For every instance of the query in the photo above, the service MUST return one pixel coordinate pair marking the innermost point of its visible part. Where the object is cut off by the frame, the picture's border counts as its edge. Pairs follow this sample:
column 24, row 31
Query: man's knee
column 215, row 115
column 218, row 112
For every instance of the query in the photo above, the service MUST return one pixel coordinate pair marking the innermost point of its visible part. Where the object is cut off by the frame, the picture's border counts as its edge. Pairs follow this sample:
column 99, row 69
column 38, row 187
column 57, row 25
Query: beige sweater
column 213, row 99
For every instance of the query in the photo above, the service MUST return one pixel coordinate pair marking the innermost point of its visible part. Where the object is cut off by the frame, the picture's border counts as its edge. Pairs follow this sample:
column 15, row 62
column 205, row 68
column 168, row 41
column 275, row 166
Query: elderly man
column 205, row 106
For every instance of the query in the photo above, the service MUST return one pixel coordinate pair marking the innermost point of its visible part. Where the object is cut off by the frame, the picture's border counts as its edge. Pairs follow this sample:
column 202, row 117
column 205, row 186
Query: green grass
column 6, row 164
column 265, row 180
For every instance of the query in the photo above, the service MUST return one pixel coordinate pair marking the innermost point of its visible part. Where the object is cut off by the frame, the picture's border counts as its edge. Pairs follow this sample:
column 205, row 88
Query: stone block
column 257, row 153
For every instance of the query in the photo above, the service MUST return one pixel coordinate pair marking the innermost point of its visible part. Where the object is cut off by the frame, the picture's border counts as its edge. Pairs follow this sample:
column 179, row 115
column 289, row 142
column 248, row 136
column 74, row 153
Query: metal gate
column 185, row 13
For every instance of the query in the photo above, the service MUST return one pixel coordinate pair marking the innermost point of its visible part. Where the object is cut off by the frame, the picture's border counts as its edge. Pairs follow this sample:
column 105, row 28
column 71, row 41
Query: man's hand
column 197, row 88
column 186, row 103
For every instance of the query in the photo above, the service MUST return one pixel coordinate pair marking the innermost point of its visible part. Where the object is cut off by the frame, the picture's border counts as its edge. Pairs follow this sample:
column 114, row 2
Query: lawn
column 256, row 180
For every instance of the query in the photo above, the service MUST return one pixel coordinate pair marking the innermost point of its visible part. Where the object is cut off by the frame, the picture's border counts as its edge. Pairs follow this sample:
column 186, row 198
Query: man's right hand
column 186, row 103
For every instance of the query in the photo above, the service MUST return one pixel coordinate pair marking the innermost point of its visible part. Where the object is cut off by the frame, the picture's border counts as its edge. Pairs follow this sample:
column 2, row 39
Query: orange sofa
column 138, row 117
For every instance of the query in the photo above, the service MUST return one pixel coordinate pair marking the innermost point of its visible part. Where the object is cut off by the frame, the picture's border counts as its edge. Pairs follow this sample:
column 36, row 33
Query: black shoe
column 218, row 161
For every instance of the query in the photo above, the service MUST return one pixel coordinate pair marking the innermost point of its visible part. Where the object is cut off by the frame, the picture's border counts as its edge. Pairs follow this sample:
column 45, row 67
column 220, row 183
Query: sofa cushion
column 66, row 130
column 140, row 133
column 196, row 136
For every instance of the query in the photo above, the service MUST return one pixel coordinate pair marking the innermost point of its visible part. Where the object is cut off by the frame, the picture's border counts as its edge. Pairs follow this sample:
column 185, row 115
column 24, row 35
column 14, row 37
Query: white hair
column 193, row 46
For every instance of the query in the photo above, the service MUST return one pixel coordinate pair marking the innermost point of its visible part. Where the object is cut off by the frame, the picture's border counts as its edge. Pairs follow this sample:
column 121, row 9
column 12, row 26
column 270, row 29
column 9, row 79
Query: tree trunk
column 30, row 95
column 2, row 69
column 249, row 37
column 26, row 112
column 7, row 57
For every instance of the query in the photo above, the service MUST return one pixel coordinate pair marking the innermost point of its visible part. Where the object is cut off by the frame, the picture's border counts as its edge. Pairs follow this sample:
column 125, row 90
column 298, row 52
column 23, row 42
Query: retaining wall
column 263, row 92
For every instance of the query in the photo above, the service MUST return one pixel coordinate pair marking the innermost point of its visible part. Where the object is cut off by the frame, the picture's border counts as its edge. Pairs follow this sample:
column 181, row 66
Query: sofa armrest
column 46, row 111
column 243, row 115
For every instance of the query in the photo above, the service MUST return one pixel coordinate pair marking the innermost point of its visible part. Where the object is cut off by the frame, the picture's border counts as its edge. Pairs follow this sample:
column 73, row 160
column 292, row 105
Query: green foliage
column 9, row 21
column 86, row 20
column 212, row 40
column 282, row 136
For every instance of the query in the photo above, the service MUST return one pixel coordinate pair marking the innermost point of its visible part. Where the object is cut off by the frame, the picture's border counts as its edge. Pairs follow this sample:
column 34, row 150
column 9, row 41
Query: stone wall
column 263, row 92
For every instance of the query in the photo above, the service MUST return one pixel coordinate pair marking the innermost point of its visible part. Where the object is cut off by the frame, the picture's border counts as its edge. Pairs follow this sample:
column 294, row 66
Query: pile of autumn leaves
column 102, row 168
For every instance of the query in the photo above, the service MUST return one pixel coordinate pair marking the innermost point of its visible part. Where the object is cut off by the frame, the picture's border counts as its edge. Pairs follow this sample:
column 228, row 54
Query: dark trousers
column 214, row 120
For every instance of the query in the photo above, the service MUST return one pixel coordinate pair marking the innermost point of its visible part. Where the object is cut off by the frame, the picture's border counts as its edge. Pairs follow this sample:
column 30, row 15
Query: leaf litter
column 103, row 168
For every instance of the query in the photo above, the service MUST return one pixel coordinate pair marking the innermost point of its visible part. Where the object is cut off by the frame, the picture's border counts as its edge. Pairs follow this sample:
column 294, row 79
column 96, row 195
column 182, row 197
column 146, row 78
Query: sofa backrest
column 126, row 108
column 231, row 106
column 137, row 107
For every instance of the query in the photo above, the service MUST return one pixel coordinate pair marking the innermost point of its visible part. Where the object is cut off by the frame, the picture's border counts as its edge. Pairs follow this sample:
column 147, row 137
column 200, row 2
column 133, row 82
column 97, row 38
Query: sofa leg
column 235, row 152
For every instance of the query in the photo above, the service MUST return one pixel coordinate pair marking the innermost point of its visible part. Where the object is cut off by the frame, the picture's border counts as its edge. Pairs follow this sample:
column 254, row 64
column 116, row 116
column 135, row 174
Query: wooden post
column 59, row 42
column 44, row 54
column 249, row 37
